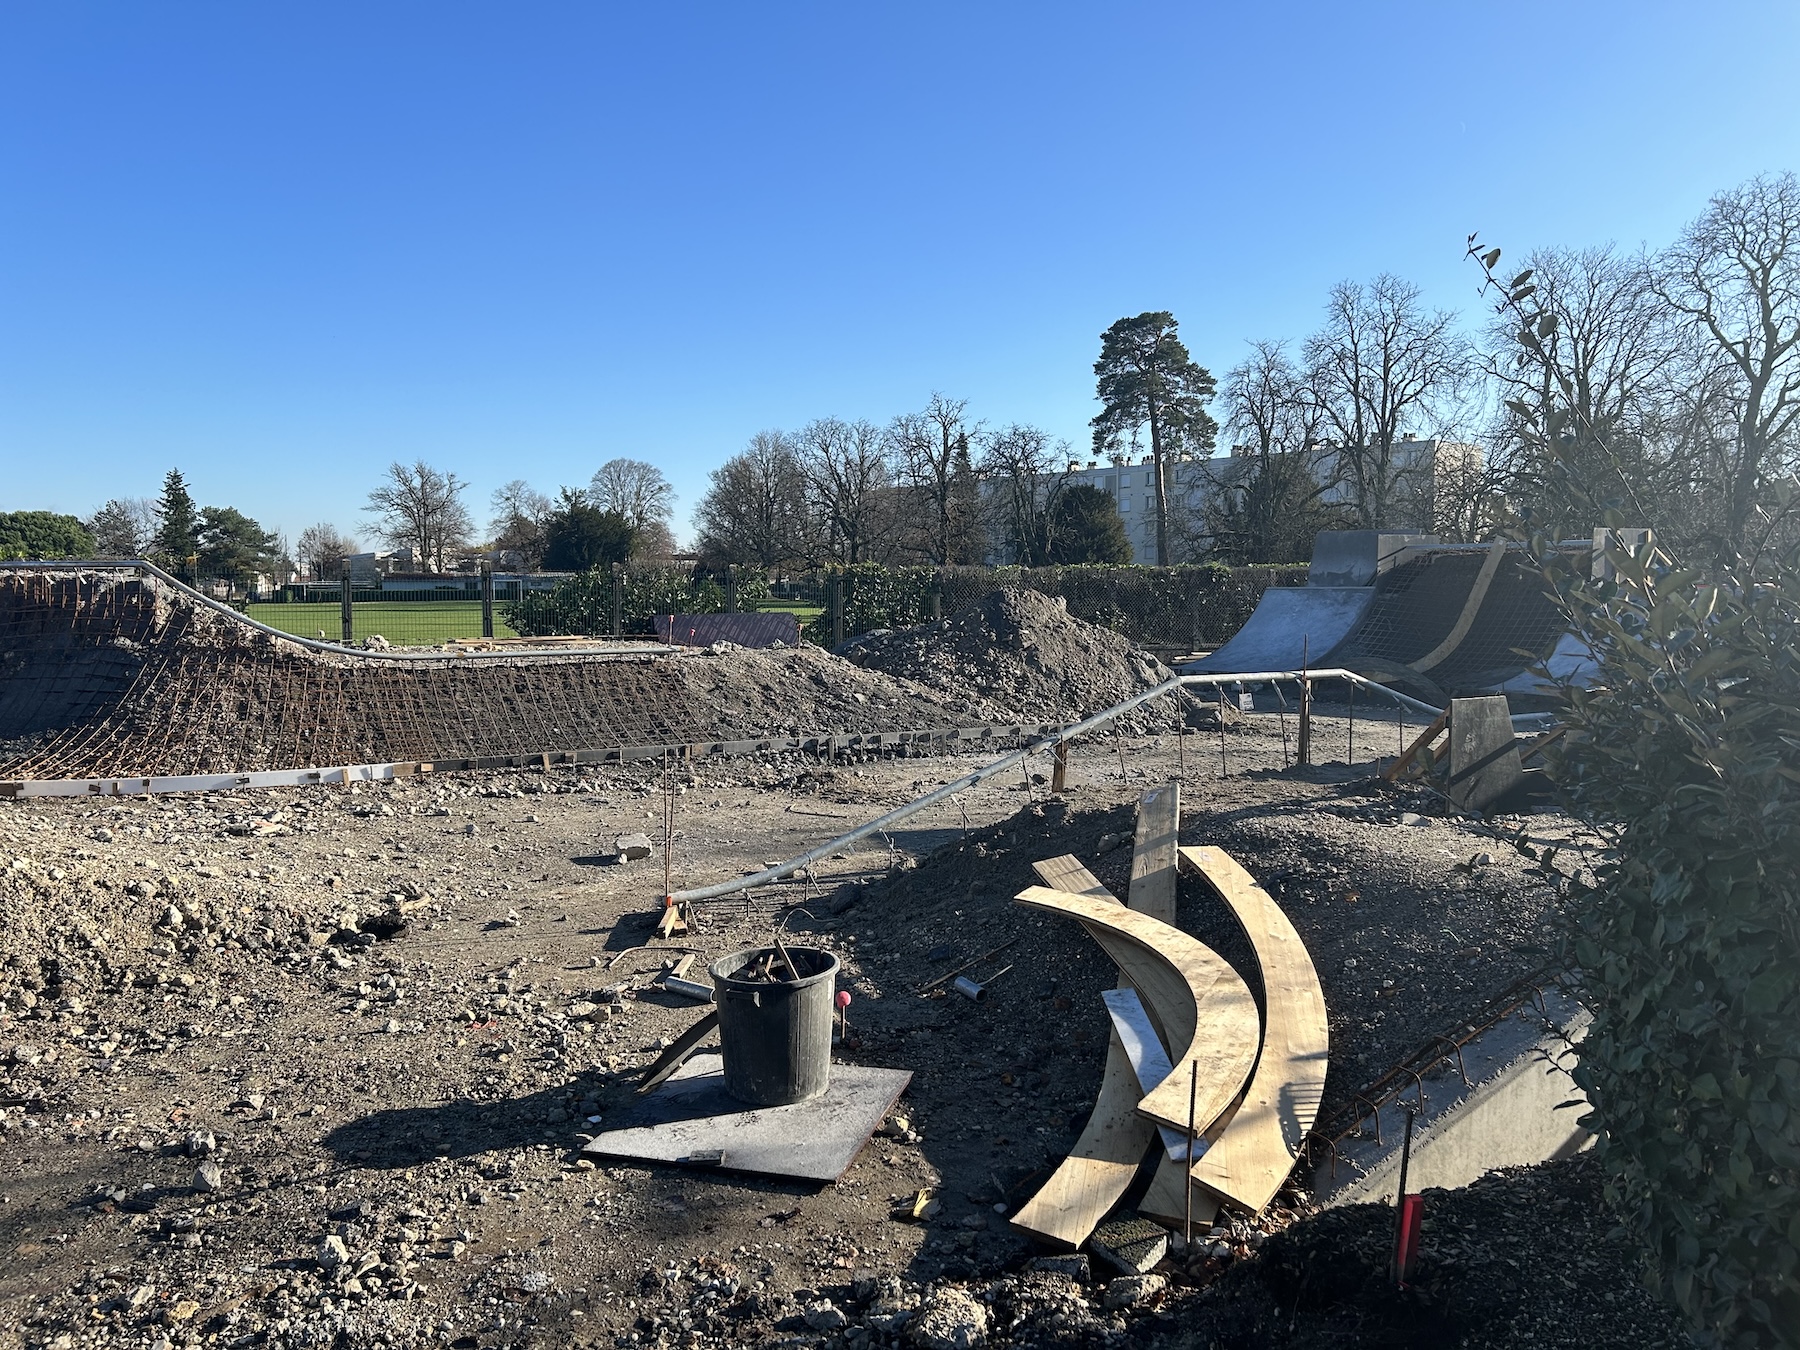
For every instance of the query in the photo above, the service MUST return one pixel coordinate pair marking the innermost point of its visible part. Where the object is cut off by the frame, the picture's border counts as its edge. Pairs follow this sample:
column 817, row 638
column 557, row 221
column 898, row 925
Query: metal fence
column 1164, row 609
column 373, row 616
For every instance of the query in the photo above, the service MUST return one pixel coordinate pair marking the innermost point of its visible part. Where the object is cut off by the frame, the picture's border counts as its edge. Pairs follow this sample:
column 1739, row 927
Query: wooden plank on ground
column 1068, row 873
column 1105, row 1159
column 1256, row 1151
column 1101, row 1166
column 1153, row 853
column 1207, row 1015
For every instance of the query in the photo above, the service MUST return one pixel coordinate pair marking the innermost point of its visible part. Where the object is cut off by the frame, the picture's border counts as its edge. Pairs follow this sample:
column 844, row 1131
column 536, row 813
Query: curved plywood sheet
column 1207, row 1015
column 1256, row 1151
column 1100, row 1168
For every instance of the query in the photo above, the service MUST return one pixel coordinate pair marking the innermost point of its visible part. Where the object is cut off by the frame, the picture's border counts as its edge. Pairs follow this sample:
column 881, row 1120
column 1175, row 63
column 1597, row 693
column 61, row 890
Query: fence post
column 487, row 599
column 344, row 604
column 834, row 597
column 730, row 589
column 935, row 595
column 618, row 598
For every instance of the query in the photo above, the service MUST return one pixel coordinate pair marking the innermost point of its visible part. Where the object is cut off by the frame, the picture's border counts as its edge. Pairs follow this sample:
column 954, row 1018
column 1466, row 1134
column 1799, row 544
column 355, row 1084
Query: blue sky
column 280, row 245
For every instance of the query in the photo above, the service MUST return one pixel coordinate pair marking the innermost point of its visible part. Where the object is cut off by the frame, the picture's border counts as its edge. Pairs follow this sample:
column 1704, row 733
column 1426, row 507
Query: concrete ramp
column 1465, row 619
column 1290, row 621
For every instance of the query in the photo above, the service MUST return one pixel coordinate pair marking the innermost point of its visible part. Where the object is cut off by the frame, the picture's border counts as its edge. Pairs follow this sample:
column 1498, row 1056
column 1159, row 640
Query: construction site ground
column 234, row 1115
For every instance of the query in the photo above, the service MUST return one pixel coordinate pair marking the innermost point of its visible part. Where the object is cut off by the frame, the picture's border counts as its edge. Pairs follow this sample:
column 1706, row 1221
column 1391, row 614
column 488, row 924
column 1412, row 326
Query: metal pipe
column 900, row 813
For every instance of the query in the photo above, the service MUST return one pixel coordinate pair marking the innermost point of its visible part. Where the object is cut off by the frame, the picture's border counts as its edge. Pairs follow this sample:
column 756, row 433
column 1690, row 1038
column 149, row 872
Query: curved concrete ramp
column 1290, row 623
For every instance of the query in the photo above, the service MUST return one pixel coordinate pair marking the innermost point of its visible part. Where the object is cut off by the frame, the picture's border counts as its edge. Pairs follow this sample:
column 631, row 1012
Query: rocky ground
column 313, row 1068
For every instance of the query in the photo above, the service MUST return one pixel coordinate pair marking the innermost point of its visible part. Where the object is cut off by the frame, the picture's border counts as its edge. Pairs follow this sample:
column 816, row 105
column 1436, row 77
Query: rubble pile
column 103, row 676
column 1021, row 650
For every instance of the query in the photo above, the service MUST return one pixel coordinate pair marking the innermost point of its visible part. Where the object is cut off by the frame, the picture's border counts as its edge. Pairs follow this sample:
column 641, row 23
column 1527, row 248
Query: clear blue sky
column 281, row 244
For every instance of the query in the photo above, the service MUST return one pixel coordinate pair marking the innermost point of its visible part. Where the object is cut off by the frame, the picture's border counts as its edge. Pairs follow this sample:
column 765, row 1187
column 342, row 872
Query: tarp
column 1289, row 621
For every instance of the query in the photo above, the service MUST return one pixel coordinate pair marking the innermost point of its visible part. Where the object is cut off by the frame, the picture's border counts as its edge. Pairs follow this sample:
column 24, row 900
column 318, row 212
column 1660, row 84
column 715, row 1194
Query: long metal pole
column 900, row 813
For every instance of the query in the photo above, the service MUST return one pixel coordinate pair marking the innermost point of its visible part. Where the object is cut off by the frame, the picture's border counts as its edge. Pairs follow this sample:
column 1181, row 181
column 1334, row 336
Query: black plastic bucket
column 775, row 1035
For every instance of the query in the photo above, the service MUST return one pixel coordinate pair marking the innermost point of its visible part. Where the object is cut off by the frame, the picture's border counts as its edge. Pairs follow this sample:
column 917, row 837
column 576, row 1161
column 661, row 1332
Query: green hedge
column 584, row 603
column 1169, row 607
column 1687, row 934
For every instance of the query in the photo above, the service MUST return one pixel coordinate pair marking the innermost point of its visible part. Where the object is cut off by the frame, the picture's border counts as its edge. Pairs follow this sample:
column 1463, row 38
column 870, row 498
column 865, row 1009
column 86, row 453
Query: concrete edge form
column 1514, row 1109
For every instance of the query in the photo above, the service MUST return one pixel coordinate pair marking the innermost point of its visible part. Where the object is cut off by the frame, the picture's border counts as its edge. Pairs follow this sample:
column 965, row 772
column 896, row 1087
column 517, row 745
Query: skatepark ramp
column 1445, row 620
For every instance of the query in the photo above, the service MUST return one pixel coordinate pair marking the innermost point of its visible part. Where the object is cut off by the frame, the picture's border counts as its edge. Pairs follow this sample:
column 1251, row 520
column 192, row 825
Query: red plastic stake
column 1412, row 1215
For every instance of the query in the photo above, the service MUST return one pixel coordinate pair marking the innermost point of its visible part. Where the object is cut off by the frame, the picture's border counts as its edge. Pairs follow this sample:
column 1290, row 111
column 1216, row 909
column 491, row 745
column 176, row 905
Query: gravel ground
column 233, row 1118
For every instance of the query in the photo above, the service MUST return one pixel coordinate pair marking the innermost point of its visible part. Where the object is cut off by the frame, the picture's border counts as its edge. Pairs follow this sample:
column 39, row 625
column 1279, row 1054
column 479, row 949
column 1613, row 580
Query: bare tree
column 1269, row 502
column 1381, row 367
column 1734, row 276
column 1609, row 356
column 754, row 512
column 936, row 471
column 321, row 551
column 1028, row 473
column 639, row 492
column 422, row 507
column 846, row 470
column 124, row 528
column 520, row 512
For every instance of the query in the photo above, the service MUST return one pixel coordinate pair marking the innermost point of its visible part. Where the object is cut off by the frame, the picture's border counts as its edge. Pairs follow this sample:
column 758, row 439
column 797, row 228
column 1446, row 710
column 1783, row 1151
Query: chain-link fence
column 373, row 615
column 1166, row 609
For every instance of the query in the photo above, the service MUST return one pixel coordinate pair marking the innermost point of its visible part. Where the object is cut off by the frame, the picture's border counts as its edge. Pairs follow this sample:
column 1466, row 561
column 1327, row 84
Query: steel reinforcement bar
column 828, row 744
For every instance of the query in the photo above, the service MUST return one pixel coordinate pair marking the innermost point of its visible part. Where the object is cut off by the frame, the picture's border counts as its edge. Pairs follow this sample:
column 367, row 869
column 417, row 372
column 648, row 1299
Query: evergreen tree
column 178, row 533
column 579, row 536
column 1085, row 528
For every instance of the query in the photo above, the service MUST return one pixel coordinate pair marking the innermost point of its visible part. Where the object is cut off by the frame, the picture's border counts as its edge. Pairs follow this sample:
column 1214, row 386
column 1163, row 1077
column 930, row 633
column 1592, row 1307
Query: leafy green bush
column 583, row 603
column 43, row 534
column 1687, row 935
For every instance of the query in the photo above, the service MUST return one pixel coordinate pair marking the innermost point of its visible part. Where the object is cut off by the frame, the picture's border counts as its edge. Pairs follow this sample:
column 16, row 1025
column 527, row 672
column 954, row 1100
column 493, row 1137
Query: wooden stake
column 1303, row 742
column 1224, row 767
column 1187, row 1218
column 1059, row 775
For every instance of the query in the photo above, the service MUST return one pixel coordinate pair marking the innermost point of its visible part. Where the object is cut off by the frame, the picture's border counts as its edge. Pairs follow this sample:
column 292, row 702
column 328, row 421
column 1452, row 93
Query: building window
column 1124, row 503
column 1124, row 480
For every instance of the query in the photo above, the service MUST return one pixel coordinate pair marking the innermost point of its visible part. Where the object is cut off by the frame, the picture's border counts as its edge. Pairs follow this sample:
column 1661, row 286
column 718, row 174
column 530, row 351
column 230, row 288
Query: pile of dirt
column 109, row 675
column 1525, row 1256
column 1021, row 649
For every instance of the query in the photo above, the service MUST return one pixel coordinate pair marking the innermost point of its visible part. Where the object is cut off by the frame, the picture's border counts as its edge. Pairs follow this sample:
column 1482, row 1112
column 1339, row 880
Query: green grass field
column 805, row 613
column 417, row 624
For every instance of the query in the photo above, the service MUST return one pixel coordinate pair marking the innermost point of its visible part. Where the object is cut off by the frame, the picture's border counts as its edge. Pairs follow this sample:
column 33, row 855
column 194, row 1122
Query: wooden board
column 1105, row 1159
column 1256, row 1151
column 691, row 1119
column 1067, row 873
column 1101, row 1166
column 1153, row 853
column 1208, row 1017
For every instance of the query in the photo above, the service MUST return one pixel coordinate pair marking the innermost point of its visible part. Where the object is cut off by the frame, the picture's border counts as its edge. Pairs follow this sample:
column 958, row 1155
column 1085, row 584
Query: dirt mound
column 109, row 675
column 1022, row 650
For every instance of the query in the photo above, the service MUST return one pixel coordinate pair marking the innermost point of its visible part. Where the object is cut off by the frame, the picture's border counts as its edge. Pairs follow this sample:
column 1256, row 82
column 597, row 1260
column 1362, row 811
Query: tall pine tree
column 178, row 531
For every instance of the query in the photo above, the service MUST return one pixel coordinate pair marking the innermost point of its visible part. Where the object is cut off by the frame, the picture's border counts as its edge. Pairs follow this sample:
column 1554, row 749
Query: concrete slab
column 692, row 1120
column 1515, row 1112
column 1288, row 622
